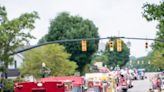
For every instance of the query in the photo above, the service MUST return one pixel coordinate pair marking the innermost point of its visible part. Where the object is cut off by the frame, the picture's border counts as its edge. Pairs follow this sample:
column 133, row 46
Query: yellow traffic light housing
column 119, row 45
column 130, row 62
column 84, row 45
column 111, row 45
column 138, row 62
column 142, row 62
column 149, row 62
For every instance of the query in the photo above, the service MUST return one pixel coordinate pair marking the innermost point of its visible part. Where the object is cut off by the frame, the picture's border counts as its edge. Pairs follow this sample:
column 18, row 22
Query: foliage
column 117, row 58
column 156, row 12
column 144, row 62
column 86, row 68
column 99, row 58
column 8, row 84
column 158, row 59
column 13, row 33
column 65, row 26
column 55, row 58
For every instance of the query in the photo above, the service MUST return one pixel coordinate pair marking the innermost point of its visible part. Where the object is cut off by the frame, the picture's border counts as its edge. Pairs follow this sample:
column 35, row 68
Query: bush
column 8, row 84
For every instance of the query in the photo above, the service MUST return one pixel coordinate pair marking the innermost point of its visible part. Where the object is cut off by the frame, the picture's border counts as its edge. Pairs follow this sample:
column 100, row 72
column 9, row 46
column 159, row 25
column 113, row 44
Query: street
column 140, row 86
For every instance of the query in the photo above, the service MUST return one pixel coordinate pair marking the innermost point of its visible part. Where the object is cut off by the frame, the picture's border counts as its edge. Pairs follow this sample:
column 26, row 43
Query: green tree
column 117, row 58
column 99, row 58
column 55, row 58
column 65, row 26
column 157, row 59
column 156, row 12
column 13, row 34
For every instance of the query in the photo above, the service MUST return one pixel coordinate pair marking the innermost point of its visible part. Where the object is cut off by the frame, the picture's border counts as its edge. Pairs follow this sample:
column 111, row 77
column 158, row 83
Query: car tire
column 125, row 90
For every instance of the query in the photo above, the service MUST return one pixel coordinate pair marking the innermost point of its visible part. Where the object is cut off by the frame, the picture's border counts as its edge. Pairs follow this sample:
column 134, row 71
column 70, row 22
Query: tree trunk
column 6, row 70
column 6, row 75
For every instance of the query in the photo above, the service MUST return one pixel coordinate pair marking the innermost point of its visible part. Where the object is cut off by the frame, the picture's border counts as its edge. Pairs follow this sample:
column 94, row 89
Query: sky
column 112, row 17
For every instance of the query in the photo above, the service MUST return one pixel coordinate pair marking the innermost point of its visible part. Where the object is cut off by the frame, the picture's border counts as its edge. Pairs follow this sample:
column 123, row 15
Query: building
column 13, row 70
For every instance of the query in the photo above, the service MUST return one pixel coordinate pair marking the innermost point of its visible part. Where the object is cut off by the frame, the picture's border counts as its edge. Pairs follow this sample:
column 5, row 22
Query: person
column 124, row 85
column 90, row 87
column 159, row 84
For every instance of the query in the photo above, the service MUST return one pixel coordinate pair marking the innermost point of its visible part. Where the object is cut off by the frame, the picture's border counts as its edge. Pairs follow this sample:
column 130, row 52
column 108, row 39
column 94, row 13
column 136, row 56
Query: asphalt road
column 142, row 85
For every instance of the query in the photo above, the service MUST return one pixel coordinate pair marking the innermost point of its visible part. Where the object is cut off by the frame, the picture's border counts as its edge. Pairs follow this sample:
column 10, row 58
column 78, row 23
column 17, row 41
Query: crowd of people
column 156, row 82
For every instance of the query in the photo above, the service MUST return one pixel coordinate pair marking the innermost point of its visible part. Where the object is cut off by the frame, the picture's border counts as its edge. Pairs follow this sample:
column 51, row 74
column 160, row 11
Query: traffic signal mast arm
column 73, row 40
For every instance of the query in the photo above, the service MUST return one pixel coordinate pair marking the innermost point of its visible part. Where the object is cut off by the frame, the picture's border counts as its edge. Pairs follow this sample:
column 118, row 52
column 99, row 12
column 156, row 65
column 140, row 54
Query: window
column 15, row 64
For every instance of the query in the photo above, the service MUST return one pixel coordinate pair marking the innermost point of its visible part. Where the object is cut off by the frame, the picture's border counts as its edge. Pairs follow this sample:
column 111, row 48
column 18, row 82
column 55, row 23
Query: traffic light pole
column 134, row 38
column 87, row 39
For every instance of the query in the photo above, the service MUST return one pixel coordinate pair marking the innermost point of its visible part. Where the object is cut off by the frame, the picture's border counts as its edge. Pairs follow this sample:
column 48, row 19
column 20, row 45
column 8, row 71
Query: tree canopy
column 13, row 34
column 158, row 59
column 99, row 58
column 117, row 58
column 156, row 12
column 143, row 62
column 54, row 56
column 65, row 26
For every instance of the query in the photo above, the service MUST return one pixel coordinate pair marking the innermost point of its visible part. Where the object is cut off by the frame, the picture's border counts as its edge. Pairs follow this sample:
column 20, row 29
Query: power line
column 73, row 40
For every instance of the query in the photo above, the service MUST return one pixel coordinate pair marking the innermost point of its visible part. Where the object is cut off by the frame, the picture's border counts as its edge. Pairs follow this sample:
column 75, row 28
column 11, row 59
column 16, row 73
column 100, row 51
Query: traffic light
column 138, row 62
column 142, row 62
column 84, row 45
column 111, row 45
column 149, row 62
column 146, row 45
column 119, row 45
column 130, row 62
